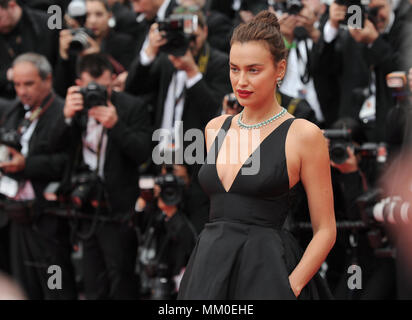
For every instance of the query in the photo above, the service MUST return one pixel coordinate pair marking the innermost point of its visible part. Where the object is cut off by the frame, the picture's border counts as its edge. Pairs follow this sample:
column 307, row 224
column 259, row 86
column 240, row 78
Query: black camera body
column 80, row 41
column 10, row 138
column 179, row 31
column 293, row 7
column 367, row 13
column 340, row 139
column 86, row 187
column 232, row 102
column 93, row 94
column 171, row 187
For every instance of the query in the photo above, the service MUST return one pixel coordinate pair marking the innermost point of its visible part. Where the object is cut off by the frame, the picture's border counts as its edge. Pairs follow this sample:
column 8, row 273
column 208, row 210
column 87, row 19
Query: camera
column 232, row 102
column 80, row 40
column 93, row 95
column 367, row 13
column 340, row 139
column 171, row 187
column 293, row 7
column 179, row 29
column 10, row 138
column 87, row 187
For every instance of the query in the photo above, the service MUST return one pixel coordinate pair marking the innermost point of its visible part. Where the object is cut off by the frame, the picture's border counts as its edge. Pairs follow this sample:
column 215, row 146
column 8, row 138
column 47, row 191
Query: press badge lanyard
column 202, row 65
column 36, row 113
column 305, row 77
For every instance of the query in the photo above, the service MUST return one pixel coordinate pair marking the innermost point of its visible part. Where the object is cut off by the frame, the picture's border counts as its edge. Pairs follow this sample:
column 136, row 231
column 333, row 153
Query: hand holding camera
column 94, row 99
column 287, row 24
column 65, row 39
column 74, row 102
column 368, row 34
column 16, row 164
column 77, row 41
column 337, row 13
column 350, row 164
column 156, row 40
column 106, row 115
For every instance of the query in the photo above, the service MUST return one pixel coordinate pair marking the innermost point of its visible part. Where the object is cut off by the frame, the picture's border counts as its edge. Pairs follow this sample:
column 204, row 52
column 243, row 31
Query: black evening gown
column 243, row 252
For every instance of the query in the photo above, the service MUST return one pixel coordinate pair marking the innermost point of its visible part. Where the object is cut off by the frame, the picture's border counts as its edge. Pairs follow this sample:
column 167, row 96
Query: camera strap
column 98, row 151
column 204, row 58
column 305, row 77
column 36, row 113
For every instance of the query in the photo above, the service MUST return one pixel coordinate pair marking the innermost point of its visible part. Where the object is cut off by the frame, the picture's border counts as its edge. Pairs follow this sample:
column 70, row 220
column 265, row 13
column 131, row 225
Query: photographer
column 350, row 180
column 219, row 25
column 299, row 23
column 38, row 238
column 166, row 229
column 94, row 35
column 359, row 59
column 149, row 12
column 110, row 136
column 22, row 29
column 187, row 88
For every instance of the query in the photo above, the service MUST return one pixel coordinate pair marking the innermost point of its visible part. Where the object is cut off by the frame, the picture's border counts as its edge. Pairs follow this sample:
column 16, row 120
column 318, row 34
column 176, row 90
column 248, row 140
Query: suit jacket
column 39, row 38
column 339, row 69
column 344, row 66
column 43, row 164
column 220, row 29
column 128, row 146
column 202, row 101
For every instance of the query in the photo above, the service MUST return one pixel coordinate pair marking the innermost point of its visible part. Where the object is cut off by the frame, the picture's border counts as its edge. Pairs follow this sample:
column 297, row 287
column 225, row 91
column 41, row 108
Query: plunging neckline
column 243, row 164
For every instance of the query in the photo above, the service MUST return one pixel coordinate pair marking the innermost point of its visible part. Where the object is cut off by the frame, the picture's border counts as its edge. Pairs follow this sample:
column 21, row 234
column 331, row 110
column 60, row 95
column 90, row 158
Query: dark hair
column 95, row 64
column 4, row 3
column 357, row 133
column 103, row 2
column 263, row 27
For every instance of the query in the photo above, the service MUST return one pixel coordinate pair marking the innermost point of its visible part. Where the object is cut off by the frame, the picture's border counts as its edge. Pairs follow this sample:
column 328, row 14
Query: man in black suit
column 186, row 88
column 38, row 240
column 110, row 141
column 22, row 30
column 361, row 58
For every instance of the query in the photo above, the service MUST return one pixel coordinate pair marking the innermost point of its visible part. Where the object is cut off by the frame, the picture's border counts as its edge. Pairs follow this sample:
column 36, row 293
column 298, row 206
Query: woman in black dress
column 252, row 178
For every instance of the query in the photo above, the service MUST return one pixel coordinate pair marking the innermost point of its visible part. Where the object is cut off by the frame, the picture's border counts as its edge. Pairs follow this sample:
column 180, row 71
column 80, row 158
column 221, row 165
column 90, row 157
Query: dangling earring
column 279, row 82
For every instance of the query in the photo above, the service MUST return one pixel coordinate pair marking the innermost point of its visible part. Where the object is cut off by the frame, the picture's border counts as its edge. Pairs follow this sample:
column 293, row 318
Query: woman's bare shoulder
column 306, row 132
column 216, row 123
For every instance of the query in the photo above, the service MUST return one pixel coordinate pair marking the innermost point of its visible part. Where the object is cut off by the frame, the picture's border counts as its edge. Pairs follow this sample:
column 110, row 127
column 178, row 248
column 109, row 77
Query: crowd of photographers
column 89, row 184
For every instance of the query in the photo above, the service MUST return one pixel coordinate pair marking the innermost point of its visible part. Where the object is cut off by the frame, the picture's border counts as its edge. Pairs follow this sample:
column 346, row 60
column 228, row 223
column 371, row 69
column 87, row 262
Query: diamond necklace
column 260, row 124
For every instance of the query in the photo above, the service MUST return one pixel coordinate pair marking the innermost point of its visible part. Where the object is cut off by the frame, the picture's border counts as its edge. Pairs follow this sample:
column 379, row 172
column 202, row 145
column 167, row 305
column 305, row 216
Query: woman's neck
column 256, row 114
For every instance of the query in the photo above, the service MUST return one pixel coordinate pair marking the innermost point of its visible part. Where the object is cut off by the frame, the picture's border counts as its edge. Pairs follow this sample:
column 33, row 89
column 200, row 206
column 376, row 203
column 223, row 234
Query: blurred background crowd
column 80, row 107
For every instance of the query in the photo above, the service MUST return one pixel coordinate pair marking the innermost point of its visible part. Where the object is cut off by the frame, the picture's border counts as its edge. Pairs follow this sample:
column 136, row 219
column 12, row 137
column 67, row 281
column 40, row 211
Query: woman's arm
column 315, row 175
